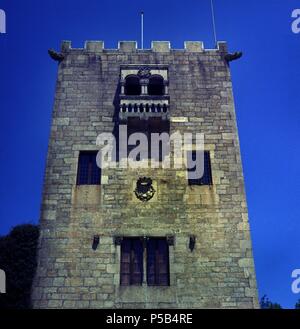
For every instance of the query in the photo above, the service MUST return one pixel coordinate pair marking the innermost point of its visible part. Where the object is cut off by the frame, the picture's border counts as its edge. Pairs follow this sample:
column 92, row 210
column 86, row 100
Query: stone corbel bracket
column 55, row 55
column 232, row 57
column 170, row 240
column 118, row 240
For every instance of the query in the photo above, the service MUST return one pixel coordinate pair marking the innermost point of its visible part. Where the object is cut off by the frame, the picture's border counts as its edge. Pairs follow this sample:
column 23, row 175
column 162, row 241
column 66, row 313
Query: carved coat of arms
column 144, row 73
column 144, row 190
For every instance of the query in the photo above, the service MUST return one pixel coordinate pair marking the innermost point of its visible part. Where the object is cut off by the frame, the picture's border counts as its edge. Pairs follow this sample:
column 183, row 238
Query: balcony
column 144, row 92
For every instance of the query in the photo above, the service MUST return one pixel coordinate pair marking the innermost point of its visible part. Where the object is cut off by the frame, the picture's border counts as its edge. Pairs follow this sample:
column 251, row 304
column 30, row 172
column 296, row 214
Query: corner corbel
column 233, row 57
column 55, row 55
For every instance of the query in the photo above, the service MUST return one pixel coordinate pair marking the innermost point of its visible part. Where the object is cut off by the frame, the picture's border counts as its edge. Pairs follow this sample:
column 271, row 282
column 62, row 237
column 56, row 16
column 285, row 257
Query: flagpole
column 142, row 30
column 213, row 21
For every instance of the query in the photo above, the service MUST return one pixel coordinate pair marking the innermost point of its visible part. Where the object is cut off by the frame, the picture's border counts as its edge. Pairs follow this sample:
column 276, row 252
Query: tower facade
column 147, row 237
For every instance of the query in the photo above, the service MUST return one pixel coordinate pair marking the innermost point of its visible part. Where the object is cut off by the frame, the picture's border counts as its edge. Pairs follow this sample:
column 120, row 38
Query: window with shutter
column 88, row 172
column 206, row 179
column 157, row 262
column 131, row 262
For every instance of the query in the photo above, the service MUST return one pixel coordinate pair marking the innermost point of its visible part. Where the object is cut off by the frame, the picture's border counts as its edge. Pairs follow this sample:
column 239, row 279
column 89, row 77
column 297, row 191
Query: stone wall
column 219, row 273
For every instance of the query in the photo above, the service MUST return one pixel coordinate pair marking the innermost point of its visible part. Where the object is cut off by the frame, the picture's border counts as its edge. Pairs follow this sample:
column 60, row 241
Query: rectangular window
column 131, row 262
column 157, row 262
column 206, row 179
column 88, row 172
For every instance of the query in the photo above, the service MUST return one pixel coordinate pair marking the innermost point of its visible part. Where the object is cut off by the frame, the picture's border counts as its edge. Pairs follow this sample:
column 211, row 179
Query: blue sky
column 266, row 88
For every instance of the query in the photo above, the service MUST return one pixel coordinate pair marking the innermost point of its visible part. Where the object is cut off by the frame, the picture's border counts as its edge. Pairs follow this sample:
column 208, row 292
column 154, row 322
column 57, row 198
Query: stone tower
column 144, row 237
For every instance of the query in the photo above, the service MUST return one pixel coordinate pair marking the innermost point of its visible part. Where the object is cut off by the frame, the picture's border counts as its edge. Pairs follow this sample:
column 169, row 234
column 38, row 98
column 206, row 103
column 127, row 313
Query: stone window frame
column 126, row 85
column 156, row 70
column 211, row 149
column 90, row 173
column 144, row 84
column 209, row 176
column 162, row 85
column 74, row 164
column 117, row 272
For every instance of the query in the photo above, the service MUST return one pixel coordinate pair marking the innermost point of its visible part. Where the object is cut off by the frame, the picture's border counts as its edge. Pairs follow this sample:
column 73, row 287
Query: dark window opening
column 131, row 262
column 158, row 262
column 88, row 172
column 206, row 179
column 132, row 85
column 149, row 127
column 156, row 85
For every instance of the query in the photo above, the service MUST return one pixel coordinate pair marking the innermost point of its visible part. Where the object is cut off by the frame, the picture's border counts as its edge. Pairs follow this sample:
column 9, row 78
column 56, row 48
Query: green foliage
column 265, row 303
column 18, row 259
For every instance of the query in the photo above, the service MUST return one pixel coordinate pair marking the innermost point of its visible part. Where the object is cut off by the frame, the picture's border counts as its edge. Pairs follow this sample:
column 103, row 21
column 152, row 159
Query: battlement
column 132, row 46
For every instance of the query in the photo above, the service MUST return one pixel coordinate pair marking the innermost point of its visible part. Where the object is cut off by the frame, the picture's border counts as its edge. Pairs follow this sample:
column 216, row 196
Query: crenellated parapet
column 158, row 47
column 132, row 46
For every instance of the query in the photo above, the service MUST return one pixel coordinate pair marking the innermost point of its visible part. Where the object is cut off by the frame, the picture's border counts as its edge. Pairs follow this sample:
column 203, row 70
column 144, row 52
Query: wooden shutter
column 131, row 262
column 158, row 262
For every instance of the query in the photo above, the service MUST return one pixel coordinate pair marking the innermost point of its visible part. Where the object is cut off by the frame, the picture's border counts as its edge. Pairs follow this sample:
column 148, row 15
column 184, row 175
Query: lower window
column 157, row 262
column 131, row 262
column 156, row 257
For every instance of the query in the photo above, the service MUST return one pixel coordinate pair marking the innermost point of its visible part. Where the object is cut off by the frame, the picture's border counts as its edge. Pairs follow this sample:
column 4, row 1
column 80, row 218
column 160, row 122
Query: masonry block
column 194, row 46
column 161, row 46
column 66, row 46
column 94, row 46
column 127, row 46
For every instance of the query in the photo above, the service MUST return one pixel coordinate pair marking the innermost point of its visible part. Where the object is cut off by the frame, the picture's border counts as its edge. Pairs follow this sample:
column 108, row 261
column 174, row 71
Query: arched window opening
column 156, row 85
column 132, row 85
